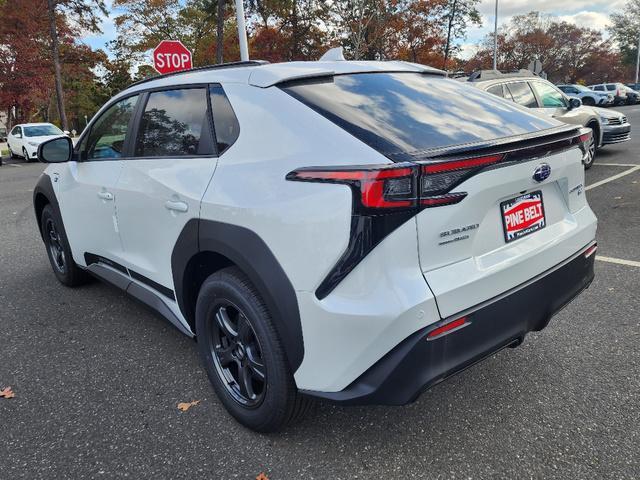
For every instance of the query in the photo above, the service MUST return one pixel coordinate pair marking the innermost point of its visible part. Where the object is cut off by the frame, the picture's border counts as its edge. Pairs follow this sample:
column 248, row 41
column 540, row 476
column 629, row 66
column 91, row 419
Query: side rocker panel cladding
column 250, row 253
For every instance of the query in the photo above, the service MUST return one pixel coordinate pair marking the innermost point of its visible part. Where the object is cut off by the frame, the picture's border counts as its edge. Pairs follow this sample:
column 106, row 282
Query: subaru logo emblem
column 542, row 172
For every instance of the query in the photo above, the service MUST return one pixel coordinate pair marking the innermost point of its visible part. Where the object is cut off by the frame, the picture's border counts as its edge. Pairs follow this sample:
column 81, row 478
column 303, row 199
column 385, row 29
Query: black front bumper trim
column 417, row 364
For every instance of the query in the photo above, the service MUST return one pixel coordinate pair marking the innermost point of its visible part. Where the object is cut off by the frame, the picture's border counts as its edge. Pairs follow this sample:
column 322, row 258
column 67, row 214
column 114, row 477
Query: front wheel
column 590, row 156
column 58, row 250
column 243, row 355
column 25, row 155
column 588, row 101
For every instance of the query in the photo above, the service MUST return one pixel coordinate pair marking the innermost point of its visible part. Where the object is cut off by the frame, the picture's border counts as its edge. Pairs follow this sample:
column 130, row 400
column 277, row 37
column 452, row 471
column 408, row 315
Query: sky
column 586, row 13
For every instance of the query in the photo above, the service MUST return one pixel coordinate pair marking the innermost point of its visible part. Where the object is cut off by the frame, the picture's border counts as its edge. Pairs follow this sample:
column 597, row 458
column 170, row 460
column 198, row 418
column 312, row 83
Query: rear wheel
column 11, row 154
column 588, row 101
column 58, row 250
column 243, row 356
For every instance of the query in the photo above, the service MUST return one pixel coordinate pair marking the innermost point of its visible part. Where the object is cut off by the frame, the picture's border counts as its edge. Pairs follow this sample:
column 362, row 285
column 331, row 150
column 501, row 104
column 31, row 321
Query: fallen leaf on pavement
column 7, row 393
column 262, row 476
column 184, row 406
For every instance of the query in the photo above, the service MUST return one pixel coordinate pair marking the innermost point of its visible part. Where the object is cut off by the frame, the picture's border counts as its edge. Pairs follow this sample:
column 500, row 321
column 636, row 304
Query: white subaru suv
column 349, row 231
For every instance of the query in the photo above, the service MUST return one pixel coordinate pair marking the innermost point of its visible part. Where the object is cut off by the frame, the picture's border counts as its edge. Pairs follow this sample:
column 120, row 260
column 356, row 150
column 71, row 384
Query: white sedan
column 23, row 140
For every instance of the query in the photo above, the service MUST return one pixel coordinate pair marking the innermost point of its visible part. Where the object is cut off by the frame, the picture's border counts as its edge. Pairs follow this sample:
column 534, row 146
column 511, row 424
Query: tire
column 58, row 250
column 11, row 154
column 237, row 341
column 25, row 155
column 590, row 102
column 590, row 157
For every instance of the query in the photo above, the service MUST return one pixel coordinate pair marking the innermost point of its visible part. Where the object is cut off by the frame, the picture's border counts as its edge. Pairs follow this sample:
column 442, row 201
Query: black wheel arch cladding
column 250, row 253
column 41, row 192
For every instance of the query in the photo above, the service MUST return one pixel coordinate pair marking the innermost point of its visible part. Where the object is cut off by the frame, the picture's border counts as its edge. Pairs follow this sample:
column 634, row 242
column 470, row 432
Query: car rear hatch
column 496, row 191
column 521, row 213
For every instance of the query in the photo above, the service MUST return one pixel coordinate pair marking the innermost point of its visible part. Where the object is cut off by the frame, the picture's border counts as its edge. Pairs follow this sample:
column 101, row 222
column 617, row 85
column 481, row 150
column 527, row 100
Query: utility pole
column 638, row 57
column 495, row 40
column 242, row 31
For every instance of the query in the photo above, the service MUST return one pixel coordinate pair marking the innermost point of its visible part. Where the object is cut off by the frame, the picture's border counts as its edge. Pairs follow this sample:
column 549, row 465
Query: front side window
column 549, row 96
column 106, row 139
column 173, row 124
column 522, row 94
column 403, row 115
column 42, row 131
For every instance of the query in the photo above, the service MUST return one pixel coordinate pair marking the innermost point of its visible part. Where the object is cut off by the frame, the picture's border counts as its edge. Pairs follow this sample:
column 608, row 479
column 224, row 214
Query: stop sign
column 171, row 56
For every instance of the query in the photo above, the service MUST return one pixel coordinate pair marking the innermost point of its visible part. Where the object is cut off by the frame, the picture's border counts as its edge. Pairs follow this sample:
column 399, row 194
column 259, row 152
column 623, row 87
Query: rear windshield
column 402, row 114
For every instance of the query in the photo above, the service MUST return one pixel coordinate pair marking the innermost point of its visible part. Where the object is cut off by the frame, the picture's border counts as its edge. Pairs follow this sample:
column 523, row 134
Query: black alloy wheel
column 54, row 244
column 237, row 355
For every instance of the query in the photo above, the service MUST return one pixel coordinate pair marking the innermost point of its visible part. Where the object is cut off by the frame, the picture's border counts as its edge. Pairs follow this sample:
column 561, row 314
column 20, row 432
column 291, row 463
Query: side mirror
column 574, row 103
column 56, row 150
column 18, row 135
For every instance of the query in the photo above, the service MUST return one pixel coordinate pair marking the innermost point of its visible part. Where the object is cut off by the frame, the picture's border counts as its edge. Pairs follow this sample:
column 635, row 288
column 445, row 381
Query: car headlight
column 33, row 144
column 604, row 120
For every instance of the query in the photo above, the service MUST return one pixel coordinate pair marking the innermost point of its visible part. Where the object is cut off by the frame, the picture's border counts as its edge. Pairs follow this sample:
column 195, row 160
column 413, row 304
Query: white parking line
column 615, row 177
column 619, row 261
column 14, row 165
column 617, row 164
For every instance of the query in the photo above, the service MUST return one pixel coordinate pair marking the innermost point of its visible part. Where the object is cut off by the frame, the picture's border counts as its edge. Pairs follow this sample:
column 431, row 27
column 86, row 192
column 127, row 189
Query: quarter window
column 174, row 124
column 106, row 140
column 225, row 121
column 549, row 96
column 522, row 94
column 16, row 131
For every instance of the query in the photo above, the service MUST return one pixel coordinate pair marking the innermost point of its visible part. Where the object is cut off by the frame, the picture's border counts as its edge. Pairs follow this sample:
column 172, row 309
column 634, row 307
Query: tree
column 458, row 15
column 625, row 30
column 568, row 53
column 84, row 14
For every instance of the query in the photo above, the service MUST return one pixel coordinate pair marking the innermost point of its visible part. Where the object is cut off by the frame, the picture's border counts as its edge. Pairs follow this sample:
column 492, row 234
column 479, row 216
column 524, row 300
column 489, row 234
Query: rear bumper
column 417, row 363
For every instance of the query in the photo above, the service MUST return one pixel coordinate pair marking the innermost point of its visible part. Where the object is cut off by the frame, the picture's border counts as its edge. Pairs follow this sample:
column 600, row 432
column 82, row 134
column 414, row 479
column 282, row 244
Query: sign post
column 171, row 56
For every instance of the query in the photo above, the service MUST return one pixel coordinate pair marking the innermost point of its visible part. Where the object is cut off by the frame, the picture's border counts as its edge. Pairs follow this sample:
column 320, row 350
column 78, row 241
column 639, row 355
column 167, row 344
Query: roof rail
column 494, row 74
column 219, row 66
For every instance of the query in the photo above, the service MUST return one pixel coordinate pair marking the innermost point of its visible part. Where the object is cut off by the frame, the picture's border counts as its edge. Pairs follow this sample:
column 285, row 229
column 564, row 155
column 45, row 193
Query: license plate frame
column 521, row 206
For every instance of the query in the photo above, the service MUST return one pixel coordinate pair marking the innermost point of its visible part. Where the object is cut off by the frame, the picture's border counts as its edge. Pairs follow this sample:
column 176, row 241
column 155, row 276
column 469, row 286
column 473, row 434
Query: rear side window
column 224, row 119
column 404, row 114
column 522, row 94
column 174, row 124
column 496, row 90
column 611, row 87
column 598, row 88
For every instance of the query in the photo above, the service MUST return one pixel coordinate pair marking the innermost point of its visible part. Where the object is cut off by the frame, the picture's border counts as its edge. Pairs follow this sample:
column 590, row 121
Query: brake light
column 591, row 250
column 448, row 328
column 377, row 186
column 438, row 178
column 400, row 186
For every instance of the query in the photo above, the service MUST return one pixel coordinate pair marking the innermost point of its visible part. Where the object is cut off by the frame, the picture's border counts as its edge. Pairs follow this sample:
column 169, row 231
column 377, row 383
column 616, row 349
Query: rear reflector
column 591, row 250
column 448, row 328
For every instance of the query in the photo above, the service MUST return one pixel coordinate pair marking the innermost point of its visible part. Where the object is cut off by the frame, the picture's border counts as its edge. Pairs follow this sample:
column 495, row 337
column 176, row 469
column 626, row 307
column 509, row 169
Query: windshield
column 41, row 131
column 405, row 114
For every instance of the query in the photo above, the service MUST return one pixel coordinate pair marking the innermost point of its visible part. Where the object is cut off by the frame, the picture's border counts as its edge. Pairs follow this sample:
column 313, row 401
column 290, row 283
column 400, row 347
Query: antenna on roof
column 333, row 55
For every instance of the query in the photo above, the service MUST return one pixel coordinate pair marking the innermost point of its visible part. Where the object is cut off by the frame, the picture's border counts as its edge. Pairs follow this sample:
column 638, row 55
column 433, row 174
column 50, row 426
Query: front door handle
column 176, row 206
column 105, row 195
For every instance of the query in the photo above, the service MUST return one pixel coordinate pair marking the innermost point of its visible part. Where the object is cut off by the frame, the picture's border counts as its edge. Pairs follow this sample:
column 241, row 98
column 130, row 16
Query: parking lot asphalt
column 97, row 379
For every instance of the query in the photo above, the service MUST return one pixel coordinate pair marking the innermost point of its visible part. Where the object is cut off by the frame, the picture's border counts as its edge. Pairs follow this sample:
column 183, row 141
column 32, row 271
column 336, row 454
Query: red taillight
column 461, row 164
column 591, row 250
column 401, row 186
column 379, row 186
column 448, row 328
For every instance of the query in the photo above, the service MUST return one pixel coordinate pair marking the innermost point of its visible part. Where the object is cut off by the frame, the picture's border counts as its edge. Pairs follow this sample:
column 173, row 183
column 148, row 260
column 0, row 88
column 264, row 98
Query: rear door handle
column 176, row 206
column 105, row 195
